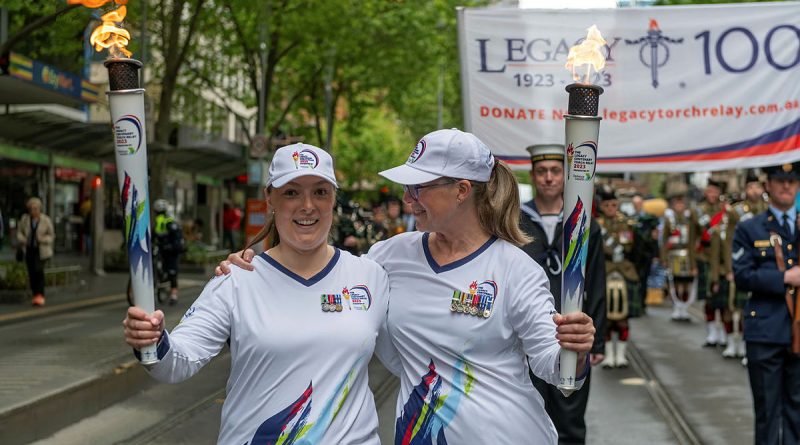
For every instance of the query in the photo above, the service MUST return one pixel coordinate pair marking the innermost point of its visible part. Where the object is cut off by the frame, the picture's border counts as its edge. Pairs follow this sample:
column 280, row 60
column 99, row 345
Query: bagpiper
column 677, row 253
column 713, row 216
column 622, row 279
column 754, row 203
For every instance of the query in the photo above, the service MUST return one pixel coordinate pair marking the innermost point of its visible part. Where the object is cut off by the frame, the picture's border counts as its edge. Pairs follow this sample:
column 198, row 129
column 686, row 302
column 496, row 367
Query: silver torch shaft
column 126, row 101
column 580, row 161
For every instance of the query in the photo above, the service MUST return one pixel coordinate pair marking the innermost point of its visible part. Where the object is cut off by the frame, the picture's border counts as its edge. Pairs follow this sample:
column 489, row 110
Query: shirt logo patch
column 361, row 297
column 478, row 301
column 356, row 298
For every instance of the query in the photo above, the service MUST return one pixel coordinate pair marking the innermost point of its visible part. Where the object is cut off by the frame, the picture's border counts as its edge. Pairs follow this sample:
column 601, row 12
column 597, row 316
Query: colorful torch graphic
column 582, row 130
column 126, row 101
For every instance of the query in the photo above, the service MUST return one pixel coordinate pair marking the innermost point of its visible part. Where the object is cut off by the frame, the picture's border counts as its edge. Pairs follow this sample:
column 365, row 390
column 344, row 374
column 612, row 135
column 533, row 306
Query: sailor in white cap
column 541, row 218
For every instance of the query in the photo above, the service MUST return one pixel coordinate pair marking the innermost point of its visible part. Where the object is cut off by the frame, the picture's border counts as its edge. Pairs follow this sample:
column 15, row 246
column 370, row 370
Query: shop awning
column 196, row 152
column 28, row 81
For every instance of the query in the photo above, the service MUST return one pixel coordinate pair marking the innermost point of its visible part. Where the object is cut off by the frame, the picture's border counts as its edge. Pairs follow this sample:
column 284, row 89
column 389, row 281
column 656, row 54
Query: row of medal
column 331, row 303
column 472, row 304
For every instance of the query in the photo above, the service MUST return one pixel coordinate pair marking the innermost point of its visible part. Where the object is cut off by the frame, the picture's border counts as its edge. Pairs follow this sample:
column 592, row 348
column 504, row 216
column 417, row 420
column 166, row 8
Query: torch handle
column 580, row 161
column 130, row 143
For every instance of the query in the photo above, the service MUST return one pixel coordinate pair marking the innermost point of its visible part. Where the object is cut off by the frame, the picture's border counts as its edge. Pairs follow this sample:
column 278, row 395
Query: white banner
column 687, row 88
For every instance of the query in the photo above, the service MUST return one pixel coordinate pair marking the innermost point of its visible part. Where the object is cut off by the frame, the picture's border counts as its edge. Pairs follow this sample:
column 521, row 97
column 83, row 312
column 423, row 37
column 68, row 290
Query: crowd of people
column 464, row 284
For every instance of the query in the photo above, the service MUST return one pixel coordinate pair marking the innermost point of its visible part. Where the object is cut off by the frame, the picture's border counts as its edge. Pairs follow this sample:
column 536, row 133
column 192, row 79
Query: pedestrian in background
column 231, row 224
column 301, row 328
column 171, row 244
column 765, row 264
column 394, row 223
column 468, row 308
column 409, row 221
column 35, row 235
column 541, row 218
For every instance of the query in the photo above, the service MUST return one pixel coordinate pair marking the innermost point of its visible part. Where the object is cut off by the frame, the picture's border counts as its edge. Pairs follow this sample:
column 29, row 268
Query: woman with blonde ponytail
column 467, row 306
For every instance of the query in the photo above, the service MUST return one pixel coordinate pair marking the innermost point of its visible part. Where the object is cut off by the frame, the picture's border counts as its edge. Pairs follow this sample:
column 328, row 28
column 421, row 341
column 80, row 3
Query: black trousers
column 35, row 270
column 566, row 412
column 775, row 382
column 170, row 263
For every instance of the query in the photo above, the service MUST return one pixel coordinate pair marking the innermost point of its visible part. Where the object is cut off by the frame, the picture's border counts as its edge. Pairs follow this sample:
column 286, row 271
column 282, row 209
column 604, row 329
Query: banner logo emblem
column 654, row 52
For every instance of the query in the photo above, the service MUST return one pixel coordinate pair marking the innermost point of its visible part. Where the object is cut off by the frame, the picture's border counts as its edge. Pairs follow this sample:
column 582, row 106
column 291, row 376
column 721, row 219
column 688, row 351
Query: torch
column 126, row 102
column 582, row 129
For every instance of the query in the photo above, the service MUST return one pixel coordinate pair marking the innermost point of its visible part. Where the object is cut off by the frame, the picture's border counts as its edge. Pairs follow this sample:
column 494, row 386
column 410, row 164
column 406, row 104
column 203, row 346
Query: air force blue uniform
column 774, row 371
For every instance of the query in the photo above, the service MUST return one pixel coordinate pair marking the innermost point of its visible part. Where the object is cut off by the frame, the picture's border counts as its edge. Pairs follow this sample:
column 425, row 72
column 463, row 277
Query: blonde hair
column 33, row 201
column 498, row 205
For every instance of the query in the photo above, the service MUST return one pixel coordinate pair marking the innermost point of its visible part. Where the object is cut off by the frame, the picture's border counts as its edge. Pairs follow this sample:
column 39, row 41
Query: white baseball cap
column 293, row 161
column 445, row 153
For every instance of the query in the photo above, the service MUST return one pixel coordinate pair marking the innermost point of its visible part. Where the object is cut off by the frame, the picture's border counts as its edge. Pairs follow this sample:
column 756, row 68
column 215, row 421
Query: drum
column 679, row 263
column 616, row 297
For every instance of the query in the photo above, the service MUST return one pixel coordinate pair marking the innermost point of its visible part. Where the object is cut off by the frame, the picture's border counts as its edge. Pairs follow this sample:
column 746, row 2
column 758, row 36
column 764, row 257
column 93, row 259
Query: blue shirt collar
column 779, row 215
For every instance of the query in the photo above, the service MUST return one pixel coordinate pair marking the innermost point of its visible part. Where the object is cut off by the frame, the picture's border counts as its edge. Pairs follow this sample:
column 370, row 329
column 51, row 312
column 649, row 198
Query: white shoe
column 741, row 349
column 744, row 362
column 685, row 313
column 711, row 338
column 722, row 336
column 609, row 361
column 622, row 361
column 677, row 313
column 730, row 350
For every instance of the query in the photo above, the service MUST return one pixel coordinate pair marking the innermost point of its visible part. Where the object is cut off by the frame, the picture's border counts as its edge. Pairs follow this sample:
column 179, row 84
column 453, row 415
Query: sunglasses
column 413, row 190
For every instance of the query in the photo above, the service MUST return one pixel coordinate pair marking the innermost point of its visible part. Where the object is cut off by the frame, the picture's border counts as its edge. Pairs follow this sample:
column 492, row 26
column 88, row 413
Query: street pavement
column 67, row 377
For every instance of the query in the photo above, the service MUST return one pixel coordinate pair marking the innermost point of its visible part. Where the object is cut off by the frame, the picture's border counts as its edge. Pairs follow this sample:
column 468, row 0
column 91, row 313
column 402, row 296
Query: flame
column 587, row 53
column 95, row 3
column 109, row 34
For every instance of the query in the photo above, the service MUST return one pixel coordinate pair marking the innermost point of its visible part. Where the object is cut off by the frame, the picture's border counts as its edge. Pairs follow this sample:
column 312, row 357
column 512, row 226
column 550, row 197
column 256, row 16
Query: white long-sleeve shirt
column 463, row 377
column 298, row 373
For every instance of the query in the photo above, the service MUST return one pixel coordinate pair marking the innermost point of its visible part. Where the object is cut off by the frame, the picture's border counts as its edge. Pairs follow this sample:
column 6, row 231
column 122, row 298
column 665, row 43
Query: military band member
column 753, row 204
column 712, row 216
column 677, row 252
column 541, row 218
column 622, row 279
column 765, row 264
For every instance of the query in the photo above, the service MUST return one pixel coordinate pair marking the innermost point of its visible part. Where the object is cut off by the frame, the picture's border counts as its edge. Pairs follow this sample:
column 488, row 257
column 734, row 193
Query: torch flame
column 109, row 34
column 587, row 53
column 94, row 3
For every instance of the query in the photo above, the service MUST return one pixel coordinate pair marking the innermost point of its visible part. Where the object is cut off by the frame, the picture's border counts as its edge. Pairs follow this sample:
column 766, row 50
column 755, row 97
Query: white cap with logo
column 448, row 153
column 293, row 161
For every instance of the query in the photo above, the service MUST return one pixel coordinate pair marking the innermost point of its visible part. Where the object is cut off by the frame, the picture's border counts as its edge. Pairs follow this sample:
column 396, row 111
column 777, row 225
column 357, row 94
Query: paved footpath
column 711, row 393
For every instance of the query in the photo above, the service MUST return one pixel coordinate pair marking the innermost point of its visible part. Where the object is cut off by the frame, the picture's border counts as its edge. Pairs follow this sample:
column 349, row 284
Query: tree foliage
column 348, row 75
column 56, row 34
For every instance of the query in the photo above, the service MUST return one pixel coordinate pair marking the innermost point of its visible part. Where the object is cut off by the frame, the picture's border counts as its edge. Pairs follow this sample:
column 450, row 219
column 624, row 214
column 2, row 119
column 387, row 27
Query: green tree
column 48, row 31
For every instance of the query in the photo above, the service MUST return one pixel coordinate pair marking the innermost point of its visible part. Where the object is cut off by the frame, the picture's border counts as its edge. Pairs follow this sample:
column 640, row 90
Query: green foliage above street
column 362, row 78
